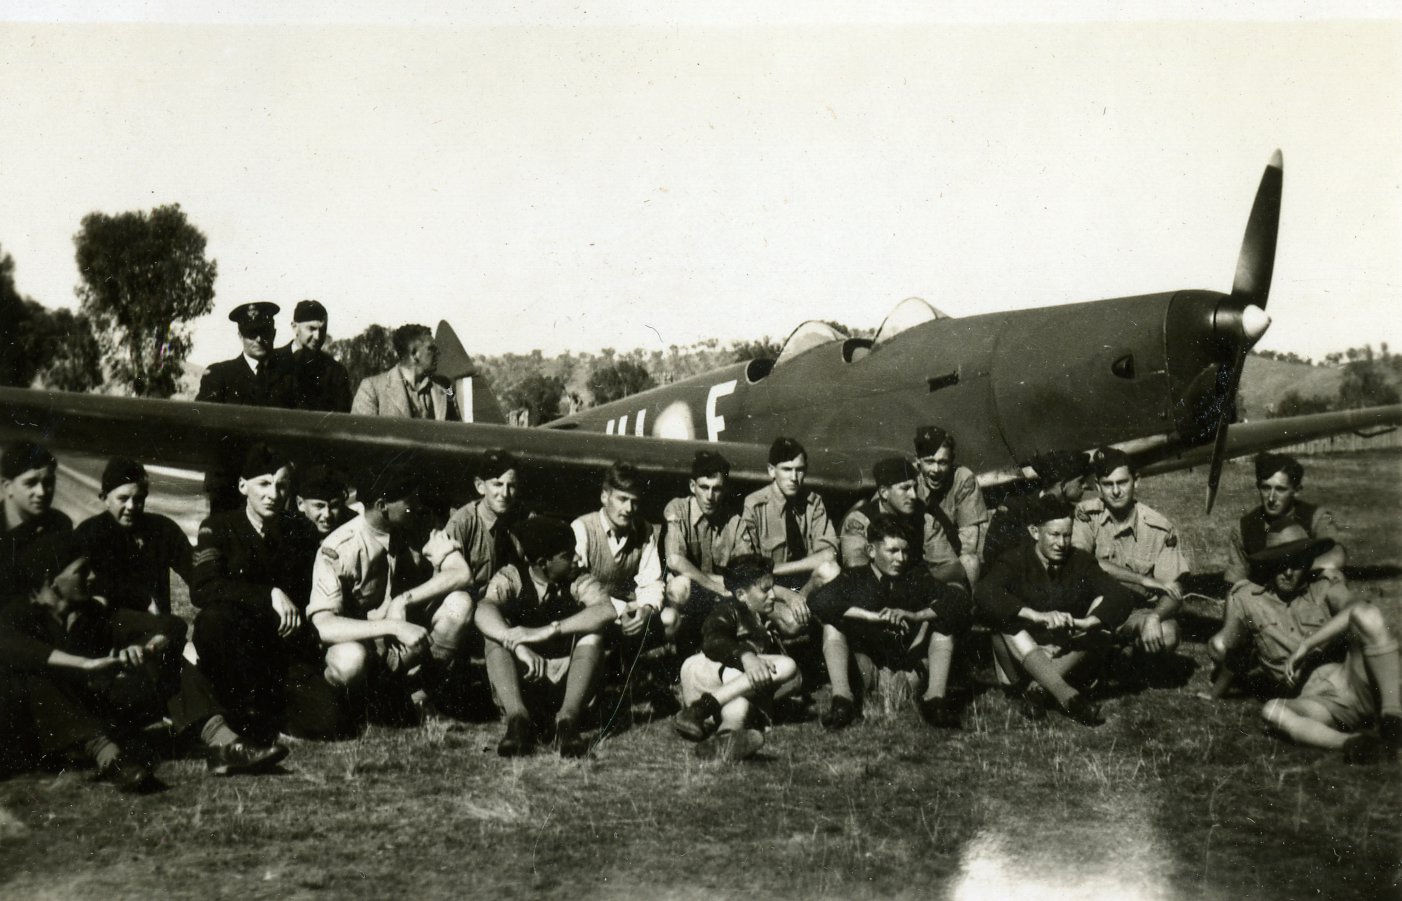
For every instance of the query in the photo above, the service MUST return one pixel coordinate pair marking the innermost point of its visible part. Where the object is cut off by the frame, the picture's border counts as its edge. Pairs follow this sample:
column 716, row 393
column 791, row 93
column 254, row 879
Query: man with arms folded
column 1138, row 546
column 1279, row 479
column 1295, row 614
column 1050, row 604
column 739, row 662
column 895, row 612
column 385, row 611
column 951, row 494
column 133, row 552
column 544, row 622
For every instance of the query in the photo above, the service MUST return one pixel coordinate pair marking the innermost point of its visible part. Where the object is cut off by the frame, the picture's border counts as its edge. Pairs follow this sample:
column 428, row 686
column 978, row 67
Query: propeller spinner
column 1241, row 320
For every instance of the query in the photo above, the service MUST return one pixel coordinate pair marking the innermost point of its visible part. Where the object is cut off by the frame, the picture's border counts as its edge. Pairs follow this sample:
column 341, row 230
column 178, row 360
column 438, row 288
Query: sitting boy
column 1291, row 618
column 543, row 621
column 896, row 612
column 92, row 674
column 739, row 660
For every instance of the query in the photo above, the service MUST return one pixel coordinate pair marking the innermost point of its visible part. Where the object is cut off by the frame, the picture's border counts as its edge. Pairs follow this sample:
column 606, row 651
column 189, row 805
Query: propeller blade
column 1242, row 320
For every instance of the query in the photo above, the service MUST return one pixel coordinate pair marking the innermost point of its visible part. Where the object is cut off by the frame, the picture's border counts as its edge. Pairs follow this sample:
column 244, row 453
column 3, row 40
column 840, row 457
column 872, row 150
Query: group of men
column 314, row 614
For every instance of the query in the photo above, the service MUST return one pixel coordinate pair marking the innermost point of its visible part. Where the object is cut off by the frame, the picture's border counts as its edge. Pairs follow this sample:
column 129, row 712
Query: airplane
column 1155, row 375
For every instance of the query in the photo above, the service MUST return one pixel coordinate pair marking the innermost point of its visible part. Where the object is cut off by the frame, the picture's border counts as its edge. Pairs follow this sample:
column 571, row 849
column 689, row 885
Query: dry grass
column 1174, row 797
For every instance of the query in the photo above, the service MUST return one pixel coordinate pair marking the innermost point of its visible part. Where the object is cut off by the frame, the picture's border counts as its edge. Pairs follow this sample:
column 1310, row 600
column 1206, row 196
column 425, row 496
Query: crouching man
column 93, row 674
column 740, row 661
column 390, row 624
column 897, row 613
column 1050, row 605
column 543, row 622
column 1294, row 621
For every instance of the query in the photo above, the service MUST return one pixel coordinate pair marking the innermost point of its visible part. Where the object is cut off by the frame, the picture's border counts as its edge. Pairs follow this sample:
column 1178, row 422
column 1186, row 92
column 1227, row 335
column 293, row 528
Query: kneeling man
column 896, row 612
column 543, row 621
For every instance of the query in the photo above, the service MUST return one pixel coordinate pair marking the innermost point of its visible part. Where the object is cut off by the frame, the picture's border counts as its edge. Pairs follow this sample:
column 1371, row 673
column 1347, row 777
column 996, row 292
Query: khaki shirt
column 519, row 607
column 1145, row 544
column 355, row 574
column 708, row 546
column 764, row 513
column 470, row 527
column 1277, row 627
column 962, row 503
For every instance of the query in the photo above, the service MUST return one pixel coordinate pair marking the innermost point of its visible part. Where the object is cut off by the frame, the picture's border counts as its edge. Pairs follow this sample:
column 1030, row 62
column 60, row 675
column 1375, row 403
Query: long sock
column 1006, row 666
column 1040, row 667
column 1304, row 731
column 216, row 732
column 1065, row 663
column 501, row 671
column 102, row 750
column 939, row 657
column 1382, row 664
column 838, row 659
column 579, row 682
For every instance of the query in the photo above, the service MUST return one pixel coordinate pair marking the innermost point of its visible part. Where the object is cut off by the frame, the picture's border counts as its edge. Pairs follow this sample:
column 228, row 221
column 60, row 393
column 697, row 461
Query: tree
column 367, row 353
column 615, row 381
column 763, row 349
column 19, row 351
column 71, row 352
column 1364, row 383
column 144, row 277
column 1292, row 403
column 538, row 393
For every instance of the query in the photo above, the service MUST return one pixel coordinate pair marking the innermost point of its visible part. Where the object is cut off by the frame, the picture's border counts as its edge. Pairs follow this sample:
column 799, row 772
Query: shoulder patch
column 1082, row 514
column 329, row 554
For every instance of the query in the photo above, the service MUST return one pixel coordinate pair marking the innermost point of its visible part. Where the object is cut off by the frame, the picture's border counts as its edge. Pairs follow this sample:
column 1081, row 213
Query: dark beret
column 929, row 439
column 1109, row 459
column 709, row 463
column 495, row 462
column 893, row 471
column 22, row 456
column 262, row 460
column 389, row 485
column 543, row 536
column 321, row 483
column 119, row 471
column 1045, row 509
column 1060, row 466
column 309, row 311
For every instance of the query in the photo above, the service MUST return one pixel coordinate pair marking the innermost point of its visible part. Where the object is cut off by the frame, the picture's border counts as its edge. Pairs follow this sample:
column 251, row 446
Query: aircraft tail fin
column 475, row 397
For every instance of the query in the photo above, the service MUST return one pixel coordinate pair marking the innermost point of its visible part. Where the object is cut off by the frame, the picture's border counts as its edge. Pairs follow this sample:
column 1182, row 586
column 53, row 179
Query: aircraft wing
column 1245, row 438
column 556, row 462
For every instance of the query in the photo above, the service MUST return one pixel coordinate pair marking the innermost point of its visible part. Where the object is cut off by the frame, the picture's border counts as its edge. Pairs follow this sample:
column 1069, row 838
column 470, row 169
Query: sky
column 571, row 177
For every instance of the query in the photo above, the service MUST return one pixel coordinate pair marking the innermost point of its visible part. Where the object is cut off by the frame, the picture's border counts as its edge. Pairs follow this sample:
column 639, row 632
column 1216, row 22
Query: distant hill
column 1264, row 382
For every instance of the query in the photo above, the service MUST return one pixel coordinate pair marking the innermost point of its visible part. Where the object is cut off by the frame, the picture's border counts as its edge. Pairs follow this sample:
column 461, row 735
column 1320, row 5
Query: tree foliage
column 537, row 393
column 144, row 277
column 1366, row 383
column 54, row 348
column 1292, row 403
column 367, row 353
column 619, row 379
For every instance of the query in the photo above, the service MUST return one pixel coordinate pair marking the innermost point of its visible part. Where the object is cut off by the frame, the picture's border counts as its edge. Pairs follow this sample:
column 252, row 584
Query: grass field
column 1175, row 797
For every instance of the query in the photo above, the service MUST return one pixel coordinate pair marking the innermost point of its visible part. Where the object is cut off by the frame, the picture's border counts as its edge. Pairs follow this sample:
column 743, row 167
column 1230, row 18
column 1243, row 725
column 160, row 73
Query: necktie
column 793, row 534
column 503, row 551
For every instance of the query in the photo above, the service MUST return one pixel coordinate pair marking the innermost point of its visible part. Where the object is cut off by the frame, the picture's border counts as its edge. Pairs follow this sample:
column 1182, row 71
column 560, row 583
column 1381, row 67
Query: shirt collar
column 258, row 525
column 374, row 534
column 253, row 365
column 408, row 375
column 486, row 514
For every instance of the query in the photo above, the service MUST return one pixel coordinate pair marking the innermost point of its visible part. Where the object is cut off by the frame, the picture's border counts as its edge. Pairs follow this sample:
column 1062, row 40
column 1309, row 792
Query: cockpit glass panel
column 908, row 313
column 807, row 336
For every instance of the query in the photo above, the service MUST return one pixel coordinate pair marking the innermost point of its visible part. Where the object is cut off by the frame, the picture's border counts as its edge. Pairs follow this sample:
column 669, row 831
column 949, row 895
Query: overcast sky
column 589, row 178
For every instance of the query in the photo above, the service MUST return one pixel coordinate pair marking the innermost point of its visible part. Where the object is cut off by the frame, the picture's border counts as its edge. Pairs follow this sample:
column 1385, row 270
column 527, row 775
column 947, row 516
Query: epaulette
column 1154, row 519
column 855, row 523
column 329, row 554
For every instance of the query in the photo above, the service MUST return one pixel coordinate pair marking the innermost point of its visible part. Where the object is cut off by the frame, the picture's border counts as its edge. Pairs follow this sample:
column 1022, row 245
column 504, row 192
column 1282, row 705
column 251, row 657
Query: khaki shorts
column 1344, row 690
column 701, row 675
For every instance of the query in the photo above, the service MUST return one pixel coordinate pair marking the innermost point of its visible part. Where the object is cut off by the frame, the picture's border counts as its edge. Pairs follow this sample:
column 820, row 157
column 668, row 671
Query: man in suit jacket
column 317, row 380
column 410, row 389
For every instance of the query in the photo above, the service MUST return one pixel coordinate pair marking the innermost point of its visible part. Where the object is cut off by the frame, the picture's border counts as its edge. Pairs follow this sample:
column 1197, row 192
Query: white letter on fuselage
column 715, row 423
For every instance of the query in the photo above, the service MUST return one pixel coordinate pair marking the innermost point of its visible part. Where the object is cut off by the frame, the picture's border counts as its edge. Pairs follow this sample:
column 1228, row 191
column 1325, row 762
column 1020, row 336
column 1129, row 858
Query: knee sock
column 1382, row 664
column 579, row 682
column 501, row 671
column 102, row 750
column 838, row 660
column 941, row 653
column 216, row 732
column 1040, row 667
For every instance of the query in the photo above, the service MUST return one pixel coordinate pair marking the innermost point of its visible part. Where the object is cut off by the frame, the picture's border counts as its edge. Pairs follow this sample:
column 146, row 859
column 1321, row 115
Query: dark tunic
column 1018, row 579
column 232, row 382
column 14, row 541
column 914, row 590
column 133, row 565
column 731, row 630
column 316, row 381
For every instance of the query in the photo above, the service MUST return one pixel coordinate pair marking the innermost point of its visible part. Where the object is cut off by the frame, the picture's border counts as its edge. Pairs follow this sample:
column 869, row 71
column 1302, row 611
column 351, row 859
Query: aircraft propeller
column 1240, row 321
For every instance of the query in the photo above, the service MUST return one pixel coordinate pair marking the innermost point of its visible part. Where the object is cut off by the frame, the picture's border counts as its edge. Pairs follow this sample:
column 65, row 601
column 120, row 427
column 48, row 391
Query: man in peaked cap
column 951, row 494
column 254, row 378
column 1137, row 545
column 317, row 380
column 1294, row 620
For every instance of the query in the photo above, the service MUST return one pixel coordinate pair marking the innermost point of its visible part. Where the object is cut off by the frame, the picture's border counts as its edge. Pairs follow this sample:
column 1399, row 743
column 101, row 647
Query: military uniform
column 315, row 380
column 1250, row 537
column 1277, row 626
column 710, row 543
column 914, row 590
column 1019, row 579
column 959, row 511
column 1007, row 527
column 1145, row 544
column 525, row 602
column 252, row 668
column 234, row 382
column 133, row 565
column 14, row 539
column 926, row 530
column 783, row 537
column 485, row 539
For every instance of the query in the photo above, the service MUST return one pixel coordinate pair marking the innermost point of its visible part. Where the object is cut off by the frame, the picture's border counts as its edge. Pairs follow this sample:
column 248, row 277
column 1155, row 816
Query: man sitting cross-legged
column 91, row 675
column 896, row 612
column 384, row 609
column 1294, row 615
column 1050, row 604
column 739, row 661
column 542, row 620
